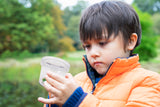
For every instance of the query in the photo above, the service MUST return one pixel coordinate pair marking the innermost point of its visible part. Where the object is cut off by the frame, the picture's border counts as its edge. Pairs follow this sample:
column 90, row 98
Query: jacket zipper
column 94, row 86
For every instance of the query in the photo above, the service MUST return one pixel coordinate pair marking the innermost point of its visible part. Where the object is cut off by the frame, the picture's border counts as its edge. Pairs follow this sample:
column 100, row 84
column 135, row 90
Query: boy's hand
column 61, row 88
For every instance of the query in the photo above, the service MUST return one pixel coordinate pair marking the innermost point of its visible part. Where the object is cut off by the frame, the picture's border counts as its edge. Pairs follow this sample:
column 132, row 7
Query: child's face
column 101, row 53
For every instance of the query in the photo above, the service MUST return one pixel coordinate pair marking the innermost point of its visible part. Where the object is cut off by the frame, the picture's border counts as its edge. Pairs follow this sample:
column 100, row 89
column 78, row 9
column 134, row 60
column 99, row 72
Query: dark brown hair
column 109, row 17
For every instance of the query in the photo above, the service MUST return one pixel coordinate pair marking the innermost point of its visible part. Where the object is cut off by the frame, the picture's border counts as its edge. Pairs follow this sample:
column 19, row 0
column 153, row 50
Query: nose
column 95, row 52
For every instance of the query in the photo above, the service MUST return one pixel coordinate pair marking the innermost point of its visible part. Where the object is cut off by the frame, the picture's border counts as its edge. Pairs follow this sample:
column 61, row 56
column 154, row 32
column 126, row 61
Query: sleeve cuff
column 76, row 98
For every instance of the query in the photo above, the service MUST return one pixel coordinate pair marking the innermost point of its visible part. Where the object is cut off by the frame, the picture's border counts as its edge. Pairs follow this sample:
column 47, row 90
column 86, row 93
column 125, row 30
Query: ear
column 132, row 41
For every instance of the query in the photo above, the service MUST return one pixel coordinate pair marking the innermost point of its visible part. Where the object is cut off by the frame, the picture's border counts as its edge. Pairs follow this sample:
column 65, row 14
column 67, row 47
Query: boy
column 109, row 31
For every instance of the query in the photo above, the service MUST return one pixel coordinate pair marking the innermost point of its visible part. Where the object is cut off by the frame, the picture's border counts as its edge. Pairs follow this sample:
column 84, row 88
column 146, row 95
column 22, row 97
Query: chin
column 101, row 72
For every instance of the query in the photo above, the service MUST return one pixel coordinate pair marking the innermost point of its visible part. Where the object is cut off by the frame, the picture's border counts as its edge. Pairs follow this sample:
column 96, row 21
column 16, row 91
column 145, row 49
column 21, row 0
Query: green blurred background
column 31, row 29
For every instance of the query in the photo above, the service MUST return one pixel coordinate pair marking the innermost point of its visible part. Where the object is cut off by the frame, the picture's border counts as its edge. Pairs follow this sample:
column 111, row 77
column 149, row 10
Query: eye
column 87, row 46
column 102, row 43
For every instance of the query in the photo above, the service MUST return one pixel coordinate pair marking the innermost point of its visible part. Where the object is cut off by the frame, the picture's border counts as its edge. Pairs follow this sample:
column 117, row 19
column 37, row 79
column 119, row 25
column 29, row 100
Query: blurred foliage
column 58, row 21
column 30, row 28
column 148, row 47
column 66, row 44
column 20, row 54
column 158, row 43
column 71, row 19
column 73, row 30
column 150, row 6
column 156, row 23
column 15, row 94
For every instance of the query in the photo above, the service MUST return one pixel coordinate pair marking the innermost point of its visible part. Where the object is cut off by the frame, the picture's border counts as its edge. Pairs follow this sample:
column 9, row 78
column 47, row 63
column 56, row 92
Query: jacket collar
column 118, row 66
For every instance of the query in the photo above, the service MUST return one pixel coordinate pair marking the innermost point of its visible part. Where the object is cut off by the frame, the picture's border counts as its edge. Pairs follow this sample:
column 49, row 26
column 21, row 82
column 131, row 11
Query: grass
column 20, row 74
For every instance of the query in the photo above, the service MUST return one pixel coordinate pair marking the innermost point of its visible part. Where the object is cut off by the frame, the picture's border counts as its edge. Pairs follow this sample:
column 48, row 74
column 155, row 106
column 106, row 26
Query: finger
column 54, row 83
column 51, row 95
column 68, row 75
column 47, row 101
column 51, row 89
column 56, row 77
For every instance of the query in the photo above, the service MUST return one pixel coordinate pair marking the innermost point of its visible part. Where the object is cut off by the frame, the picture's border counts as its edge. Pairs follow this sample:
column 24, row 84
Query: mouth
column 97, row 63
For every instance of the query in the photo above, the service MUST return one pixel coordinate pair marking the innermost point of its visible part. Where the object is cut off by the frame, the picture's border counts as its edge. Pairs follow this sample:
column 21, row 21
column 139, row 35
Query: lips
column 97, row 63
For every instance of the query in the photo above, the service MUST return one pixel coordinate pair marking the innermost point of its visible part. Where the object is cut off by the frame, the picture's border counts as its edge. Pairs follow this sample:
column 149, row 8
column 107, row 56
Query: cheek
column 88, row 57
column 111, row 53
column 116, row 48
column 108, row 59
